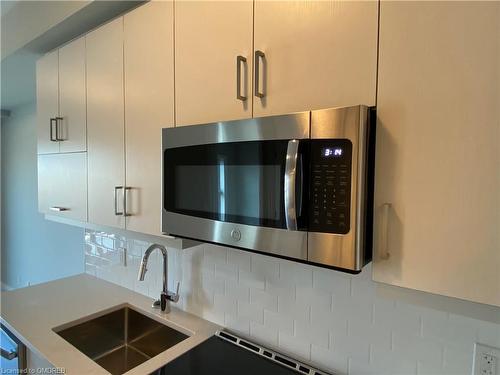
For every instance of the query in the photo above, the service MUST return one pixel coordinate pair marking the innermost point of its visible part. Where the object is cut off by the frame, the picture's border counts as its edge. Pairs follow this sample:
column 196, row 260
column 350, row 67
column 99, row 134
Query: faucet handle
column 174, row 297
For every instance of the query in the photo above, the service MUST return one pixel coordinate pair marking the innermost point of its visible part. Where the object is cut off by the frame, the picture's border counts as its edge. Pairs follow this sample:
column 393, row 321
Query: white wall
column 341, row 323
column 33, row 250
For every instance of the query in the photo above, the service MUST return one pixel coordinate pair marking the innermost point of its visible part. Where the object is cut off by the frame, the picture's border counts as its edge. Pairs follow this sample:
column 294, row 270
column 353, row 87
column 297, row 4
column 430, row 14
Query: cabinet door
column 47, row 100
column 149, row 107
column 209, row 37
column 62, row 185
column 317, row 54
column 72, row 105
column 437, row 148
column 105, row 124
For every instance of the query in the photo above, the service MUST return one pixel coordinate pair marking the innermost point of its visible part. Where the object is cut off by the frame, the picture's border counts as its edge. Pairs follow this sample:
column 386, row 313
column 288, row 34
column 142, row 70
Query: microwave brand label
column 236, row 234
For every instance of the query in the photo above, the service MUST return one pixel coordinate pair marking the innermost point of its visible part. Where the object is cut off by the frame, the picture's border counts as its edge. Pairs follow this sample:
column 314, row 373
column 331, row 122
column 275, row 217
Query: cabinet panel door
column 72, row 97
column 209, row 35
column 318, row 54
column 62, row 185
column 47, row 100
column 149, row 107
column 105, row 124
column 437, row 148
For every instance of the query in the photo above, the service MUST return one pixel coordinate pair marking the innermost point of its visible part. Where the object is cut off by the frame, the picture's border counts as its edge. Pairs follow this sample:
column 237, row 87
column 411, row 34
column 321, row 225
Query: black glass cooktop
column 218, row 356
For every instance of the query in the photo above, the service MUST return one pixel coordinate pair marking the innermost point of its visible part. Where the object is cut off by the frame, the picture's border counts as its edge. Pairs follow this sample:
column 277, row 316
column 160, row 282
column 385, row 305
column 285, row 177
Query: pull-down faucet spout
column 165, row 296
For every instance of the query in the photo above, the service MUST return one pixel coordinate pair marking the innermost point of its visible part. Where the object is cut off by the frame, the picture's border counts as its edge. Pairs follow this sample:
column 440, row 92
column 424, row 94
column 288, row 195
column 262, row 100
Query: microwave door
column 235, row 193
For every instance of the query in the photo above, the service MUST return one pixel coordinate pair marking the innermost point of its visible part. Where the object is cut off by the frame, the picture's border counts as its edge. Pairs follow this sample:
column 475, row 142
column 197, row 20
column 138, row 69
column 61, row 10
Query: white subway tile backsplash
column 237, row 291
column 413, row 346
column 294, row 346
column 264, row 299
column 331, row 282
column 296, row 273
column 283, row 324
column 250, row 311
column 335, row 320
column 225, row 304
column 288, row 306
column 251, row 280
column 328, row 321
column 226, row 271
column 237, row 324
column 267, row 335
column 264, row 267
column 315, row 298
column 328, row 359
column 242, row 260
column 315, row 334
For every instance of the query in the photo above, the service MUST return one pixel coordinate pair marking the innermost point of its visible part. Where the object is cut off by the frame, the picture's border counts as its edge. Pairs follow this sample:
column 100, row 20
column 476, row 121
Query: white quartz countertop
column 31, row 314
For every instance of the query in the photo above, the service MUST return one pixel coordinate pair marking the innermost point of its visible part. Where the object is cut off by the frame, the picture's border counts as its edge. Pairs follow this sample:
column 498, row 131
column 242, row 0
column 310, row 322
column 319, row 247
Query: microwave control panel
column 330, row 186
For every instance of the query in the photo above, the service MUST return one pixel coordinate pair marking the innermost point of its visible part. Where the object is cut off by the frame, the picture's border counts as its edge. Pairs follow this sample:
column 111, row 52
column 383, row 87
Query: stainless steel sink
column 122, row 339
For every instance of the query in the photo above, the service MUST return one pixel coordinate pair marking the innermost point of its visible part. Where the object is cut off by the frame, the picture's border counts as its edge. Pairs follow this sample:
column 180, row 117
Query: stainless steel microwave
column 298, row 186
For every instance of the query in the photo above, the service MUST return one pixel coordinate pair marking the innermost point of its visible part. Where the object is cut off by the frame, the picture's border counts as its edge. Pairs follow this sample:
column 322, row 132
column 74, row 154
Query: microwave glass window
column 232, row 182
column 230, row 190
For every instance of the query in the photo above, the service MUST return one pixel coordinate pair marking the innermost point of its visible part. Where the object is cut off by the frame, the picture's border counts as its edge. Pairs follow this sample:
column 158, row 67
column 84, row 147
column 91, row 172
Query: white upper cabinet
column 61, row 99
column 105, row 125
column 47, row 94
column 62, row 185
column 72, row 97
column 314, row 54
column 149, row 107
column 438, row 159
column 213, row 52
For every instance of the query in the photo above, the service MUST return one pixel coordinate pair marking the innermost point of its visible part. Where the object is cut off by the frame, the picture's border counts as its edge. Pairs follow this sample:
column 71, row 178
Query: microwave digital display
column 332, row 152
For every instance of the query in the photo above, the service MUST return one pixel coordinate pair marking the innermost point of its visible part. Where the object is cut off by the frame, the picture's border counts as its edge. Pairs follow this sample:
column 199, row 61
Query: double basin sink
column 121, row 339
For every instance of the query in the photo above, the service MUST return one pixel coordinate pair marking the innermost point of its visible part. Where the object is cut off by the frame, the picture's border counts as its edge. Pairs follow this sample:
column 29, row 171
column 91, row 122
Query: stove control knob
column 236, row 235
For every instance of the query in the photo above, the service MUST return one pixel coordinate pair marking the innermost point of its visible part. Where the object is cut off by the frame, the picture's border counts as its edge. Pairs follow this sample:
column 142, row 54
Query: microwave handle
column 290, row 183
column 300, row 187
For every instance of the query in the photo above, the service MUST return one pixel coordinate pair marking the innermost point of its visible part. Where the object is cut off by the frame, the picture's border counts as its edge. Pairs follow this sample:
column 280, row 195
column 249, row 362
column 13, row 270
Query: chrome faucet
column 165, row 296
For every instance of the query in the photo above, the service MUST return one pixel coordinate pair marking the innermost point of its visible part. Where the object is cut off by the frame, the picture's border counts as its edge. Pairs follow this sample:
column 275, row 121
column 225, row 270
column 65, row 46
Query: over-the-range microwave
column 297, row 186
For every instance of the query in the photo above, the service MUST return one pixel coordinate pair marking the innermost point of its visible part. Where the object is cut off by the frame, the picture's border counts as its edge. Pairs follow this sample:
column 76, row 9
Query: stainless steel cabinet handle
column 52, row 122
column 383, row 252
column 58, row 209
column 9, row 355
column 289, row 185
column 127, row 188
column 240, row 60
column 117, row 213
column 58, row 120
column 259, row 55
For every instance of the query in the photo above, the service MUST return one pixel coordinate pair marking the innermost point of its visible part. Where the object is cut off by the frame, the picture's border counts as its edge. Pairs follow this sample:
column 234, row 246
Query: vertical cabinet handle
column 240, row 60
column 259, row 55
column 125, row 213
column 58, row 122
column 51, row 127
column 383, row 252
column 117, row 213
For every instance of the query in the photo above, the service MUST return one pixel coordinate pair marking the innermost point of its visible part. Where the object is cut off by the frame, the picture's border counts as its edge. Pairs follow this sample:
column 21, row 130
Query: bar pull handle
column 51, row 127
column 259, row 55
column 240, row 60
column 383, row 252
column 58, row 122
column 117, row 213
column 289, row 185
column 58, row 209
column 125, row 195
